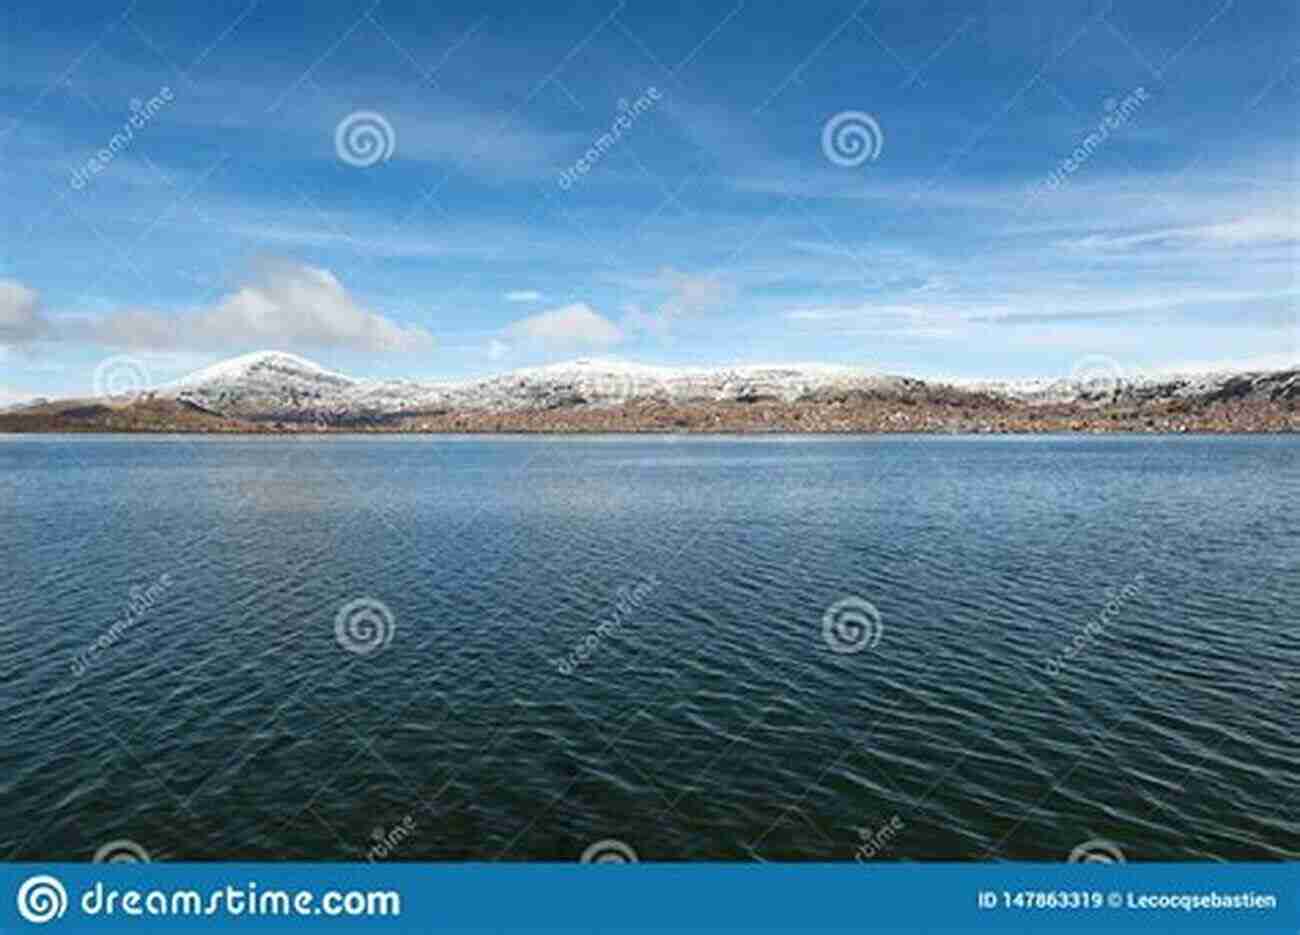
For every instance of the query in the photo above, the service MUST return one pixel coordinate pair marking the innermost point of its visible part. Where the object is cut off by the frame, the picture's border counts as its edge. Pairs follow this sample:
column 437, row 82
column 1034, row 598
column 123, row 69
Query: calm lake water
column 501, row 648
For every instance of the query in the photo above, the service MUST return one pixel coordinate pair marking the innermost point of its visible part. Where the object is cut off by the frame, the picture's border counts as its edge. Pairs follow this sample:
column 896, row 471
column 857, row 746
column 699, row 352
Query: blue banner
column 451, row 898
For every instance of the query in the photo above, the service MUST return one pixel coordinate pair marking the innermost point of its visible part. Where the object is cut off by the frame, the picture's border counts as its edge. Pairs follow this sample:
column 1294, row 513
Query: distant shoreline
column 861, row 416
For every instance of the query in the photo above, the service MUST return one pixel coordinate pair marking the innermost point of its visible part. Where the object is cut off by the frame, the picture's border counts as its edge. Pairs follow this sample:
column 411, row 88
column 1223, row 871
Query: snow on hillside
column 268, row 363
column 285, row 386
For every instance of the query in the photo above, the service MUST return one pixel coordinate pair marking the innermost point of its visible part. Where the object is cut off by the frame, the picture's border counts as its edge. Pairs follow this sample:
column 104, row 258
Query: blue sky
column 1042, row 182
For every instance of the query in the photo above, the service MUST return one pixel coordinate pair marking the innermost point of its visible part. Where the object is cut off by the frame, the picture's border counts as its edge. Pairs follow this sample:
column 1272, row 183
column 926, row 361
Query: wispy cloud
column 1239, row 232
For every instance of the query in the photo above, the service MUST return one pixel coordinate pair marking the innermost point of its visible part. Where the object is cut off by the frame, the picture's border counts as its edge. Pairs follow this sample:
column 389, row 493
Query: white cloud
column 283, row 304
column 21, row 319
column 523, row 295
column 575, row 325
column 497, row 349
column 688, row 294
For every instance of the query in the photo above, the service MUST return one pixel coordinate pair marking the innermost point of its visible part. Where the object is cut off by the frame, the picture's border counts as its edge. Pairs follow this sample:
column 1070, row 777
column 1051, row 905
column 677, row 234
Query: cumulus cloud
column 283, row 303
column 576, row 325
column 21, row 317
column 523, row 295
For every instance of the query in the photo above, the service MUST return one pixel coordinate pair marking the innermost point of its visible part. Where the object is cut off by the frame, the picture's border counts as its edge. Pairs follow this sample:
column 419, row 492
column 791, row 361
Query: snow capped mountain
column 262, row 364
column 272, row 385
column 267, row 384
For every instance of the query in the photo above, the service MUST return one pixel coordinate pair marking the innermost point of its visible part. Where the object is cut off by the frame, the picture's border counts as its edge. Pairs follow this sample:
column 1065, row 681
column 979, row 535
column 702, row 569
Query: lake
column 705, row 648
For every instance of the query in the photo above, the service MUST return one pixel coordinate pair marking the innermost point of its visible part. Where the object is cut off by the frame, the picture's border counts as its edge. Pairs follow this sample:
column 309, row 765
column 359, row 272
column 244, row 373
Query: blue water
column 573, row 640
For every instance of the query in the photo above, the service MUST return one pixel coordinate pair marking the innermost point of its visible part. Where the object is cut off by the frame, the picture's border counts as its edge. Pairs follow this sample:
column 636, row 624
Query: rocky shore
column 866, row 416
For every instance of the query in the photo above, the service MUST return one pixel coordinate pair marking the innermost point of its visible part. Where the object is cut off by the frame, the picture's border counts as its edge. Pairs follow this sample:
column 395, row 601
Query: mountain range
column 280, row 391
